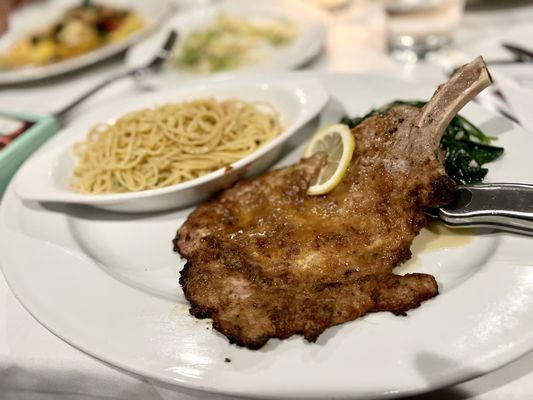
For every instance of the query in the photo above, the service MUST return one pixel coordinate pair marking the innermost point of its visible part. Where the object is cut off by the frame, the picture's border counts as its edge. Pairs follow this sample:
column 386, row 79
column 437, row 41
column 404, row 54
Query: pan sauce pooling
column 162, row 146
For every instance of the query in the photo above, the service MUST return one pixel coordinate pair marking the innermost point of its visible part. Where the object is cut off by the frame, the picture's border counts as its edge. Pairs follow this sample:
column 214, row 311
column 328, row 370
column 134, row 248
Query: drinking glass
column 420, row 29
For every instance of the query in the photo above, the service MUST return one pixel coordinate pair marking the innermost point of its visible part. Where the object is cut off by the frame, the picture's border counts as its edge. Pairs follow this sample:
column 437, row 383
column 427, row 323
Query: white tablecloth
column 34, row 364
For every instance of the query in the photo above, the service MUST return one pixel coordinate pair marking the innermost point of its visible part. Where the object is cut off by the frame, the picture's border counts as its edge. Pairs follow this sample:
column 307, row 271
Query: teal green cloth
column 12, row 156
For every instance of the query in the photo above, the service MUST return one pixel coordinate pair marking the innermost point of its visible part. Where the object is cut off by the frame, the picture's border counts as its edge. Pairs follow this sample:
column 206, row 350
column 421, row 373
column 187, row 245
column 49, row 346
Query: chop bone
column 451, row 96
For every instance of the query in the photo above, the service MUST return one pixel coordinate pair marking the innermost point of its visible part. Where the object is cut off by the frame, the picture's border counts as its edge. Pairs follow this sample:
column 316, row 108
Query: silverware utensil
column 484, row 100
column 154, row 66
column 521, row 54
column 503, row 206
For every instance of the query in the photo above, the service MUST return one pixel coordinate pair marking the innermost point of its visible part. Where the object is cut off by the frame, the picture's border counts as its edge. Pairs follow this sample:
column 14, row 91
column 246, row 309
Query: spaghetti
column 171, row 144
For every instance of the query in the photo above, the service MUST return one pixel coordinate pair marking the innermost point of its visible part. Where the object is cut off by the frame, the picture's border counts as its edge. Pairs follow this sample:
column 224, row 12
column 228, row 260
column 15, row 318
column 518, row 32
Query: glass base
column 409, row 49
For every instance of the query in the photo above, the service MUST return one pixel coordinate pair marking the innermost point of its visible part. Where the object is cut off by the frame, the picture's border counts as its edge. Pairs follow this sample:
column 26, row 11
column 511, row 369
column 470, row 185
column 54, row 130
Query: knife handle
column 505, row 206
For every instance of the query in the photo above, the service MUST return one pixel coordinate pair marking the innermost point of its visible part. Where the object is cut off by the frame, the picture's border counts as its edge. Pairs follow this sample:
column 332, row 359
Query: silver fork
column 154, row 66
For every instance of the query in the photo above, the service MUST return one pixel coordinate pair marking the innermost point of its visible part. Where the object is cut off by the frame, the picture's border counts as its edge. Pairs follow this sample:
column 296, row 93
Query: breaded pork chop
column 266, row 260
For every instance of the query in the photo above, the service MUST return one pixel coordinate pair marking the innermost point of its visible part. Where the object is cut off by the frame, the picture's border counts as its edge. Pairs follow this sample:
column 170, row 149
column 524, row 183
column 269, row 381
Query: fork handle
column 505, row 206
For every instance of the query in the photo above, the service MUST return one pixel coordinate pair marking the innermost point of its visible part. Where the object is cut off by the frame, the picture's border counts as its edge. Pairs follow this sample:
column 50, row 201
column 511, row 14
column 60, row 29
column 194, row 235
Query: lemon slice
column 338, row 143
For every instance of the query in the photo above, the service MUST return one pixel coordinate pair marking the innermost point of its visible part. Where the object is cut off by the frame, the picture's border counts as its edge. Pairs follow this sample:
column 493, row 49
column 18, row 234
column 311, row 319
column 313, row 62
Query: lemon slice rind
column 317, row 143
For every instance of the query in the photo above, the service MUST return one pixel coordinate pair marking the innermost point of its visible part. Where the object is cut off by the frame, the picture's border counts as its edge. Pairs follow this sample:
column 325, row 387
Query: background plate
column 107, row 284
column 307, row 44
column 35, row 16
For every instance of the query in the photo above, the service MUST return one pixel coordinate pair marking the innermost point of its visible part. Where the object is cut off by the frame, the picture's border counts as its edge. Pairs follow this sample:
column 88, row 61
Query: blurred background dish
column 239, row 35
column 231, row 42
column 79, row 30
column 32, row 49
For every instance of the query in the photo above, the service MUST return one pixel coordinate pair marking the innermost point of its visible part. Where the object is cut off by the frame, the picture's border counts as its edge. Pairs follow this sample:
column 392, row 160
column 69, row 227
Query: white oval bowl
column 47, row 177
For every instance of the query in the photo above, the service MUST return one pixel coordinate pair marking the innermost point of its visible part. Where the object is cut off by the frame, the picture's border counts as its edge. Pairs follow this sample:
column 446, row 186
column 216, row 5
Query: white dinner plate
column 42, row 13
column 48, row 177
column 308, row 42
column 107, row 284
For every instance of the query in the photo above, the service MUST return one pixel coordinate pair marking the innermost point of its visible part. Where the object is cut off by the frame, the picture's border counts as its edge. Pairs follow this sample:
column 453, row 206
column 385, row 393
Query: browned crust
column 382, row 294
column 265, row 260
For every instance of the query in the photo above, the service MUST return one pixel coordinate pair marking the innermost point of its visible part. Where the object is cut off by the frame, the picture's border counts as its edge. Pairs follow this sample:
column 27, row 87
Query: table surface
column 34, row 364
